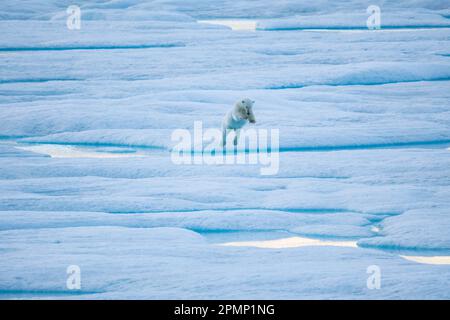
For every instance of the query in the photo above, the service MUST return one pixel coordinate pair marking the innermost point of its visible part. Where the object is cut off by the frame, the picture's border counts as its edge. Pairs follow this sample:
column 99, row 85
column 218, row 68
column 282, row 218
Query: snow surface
column 86, row 176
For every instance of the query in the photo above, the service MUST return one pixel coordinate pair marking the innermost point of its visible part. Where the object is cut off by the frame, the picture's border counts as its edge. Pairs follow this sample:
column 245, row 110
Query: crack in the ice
column 286, row 210
column 47, row 292
column 397, row 248
column 38, row 80
column 93, row 47
column 387, row 145
column 349, row 28
column 344, row 84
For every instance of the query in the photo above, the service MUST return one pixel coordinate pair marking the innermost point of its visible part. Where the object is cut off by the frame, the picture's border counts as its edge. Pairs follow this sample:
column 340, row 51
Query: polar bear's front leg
column 236, row 137
column 224, row 136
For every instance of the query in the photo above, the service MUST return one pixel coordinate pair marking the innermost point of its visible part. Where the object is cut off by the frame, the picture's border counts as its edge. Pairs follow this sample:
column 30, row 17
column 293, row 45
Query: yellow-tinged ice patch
column 295, row 242
column 442, row 260
column 236, row 25
column 292, row 242
column 60, row 151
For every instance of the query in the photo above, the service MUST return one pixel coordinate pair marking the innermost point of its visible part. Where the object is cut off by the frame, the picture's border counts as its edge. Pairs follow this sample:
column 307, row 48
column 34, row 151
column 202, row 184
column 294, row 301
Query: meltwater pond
column 291, row 242
column 296, row 242
column 234, row 24
column 283, row 239
column 75, row 151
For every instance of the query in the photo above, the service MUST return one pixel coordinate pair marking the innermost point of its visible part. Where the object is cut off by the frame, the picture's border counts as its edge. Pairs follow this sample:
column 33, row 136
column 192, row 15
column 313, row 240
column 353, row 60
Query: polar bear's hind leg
column 236, row 137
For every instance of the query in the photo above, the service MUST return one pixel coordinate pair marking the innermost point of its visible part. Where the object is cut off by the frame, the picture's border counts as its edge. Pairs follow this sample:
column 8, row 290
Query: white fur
column 236, row 118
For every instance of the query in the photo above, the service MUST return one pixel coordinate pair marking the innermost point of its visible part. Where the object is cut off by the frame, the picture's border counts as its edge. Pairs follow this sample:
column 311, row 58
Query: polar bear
column 236, row 118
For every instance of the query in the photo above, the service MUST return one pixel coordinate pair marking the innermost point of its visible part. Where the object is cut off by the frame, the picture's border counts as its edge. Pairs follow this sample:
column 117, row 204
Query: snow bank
column 413, row 230
column 357, row 20
column 200, row 221
column 7, row 151
column 153, row 263
column 146, row 138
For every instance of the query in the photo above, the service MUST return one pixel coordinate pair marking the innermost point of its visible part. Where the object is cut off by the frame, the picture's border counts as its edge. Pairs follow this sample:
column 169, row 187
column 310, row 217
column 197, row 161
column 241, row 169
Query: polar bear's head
column 244, row 109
